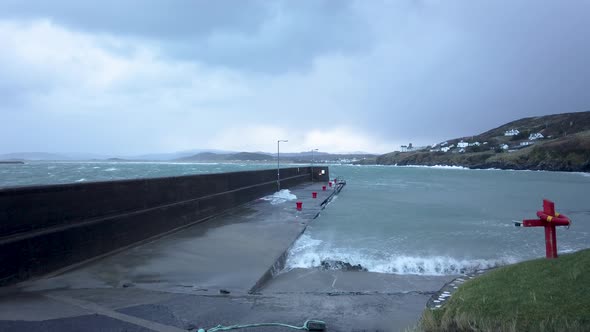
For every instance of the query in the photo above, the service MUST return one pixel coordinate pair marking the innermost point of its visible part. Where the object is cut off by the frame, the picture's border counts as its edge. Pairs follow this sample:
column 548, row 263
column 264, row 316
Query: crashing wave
column 308, row 253
column 434, row 166
column 280, row 197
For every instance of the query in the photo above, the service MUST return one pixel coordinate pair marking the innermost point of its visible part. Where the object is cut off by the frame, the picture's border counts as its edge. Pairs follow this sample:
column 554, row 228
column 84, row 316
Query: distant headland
column 15, row 162
column 559, row 142
column 197, row 156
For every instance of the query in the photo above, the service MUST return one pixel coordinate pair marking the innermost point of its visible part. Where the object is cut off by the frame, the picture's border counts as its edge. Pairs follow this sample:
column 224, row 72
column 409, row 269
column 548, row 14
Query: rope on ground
column 309, row 325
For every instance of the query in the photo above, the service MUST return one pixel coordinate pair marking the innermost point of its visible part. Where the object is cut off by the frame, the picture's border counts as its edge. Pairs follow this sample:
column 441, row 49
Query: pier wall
column 47, row 228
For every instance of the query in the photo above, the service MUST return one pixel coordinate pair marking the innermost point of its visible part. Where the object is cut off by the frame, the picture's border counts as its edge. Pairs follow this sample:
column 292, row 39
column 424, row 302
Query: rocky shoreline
column 439, row 298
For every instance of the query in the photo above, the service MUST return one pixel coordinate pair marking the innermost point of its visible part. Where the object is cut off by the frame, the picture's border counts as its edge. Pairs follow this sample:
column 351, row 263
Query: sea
column 390, row 219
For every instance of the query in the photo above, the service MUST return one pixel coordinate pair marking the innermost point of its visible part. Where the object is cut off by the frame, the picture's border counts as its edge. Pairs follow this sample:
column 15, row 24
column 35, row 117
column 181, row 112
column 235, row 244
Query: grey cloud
column 253, row 35
column 420, row 71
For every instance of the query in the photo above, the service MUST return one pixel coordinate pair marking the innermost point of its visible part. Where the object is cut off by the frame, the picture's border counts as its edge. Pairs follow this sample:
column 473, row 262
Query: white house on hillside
column 512, row 132
column 462, row 144
column 535, row 136
column 526, row 143
column 445, row 149
column 504, row 146
column 475, row 144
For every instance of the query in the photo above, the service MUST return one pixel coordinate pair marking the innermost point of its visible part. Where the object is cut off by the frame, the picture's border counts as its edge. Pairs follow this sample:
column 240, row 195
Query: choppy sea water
column 39, row 173
column 441, row 221
column 401, row 220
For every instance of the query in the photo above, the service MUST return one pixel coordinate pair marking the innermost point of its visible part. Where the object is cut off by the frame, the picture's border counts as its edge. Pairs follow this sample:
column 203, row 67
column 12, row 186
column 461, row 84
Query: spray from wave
column 280, row 197
column 310, row 253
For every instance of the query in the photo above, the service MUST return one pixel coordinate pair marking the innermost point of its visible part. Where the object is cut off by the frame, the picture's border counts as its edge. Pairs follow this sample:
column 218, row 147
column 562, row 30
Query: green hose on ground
column 309, row 325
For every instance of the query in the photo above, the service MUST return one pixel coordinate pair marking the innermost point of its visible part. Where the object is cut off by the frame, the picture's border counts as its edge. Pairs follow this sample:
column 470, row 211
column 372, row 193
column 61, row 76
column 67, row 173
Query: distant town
column 466, row 146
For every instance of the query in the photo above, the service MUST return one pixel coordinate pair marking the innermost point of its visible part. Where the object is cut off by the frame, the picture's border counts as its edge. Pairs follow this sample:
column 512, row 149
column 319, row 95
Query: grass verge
column 538, row 295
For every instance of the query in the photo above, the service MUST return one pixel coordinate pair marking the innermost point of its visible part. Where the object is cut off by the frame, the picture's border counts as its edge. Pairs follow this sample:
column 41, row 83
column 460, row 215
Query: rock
column 339, row 265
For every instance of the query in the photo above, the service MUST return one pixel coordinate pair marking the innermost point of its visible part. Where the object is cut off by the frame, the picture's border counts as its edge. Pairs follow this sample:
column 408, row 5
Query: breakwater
column 47, row 228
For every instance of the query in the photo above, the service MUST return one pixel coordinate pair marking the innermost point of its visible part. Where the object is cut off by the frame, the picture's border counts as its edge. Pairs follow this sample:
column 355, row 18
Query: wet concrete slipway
column 227, row 270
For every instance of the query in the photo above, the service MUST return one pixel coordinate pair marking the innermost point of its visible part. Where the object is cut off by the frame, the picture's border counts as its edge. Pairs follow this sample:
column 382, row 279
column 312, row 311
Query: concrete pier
column 47, row 228
column 221, row 271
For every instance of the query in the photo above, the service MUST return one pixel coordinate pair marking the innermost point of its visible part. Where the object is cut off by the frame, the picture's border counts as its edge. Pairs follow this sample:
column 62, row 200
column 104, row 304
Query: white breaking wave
column 111, row 169
column 280, row 197
column 307, row 253
column 435, row 166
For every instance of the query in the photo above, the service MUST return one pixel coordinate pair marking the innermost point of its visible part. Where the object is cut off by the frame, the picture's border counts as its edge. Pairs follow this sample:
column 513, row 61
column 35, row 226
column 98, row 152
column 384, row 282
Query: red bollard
column 330, row 183
column 548, row 218
column 299, row 205
column 314, row 194
column 323, row 188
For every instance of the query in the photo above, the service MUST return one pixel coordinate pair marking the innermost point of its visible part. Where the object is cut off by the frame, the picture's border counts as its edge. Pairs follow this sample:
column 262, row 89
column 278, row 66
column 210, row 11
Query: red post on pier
column 323, row 188
column 330, row 184
column 299, row 205
column 549, row 219
column 314, row 195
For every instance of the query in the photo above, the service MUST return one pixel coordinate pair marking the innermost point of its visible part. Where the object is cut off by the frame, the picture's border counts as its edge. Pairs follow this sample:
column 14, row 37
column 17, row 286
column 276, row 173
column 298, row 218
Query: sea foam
column 308, row 253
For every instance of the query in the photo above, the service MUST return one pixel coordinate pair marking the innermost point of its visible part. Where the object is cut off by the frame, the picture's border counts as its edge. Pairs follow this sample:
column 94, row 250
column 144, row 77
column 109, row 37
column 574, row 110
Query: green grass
column 538, row 295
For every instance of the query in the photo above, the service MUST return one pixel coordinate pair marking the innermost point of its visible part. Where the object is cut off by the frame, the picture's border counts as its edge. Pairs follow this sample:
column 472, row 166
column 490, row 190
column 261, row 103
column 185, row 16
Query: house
column 526, row 143
column 444, row 143
column 535, row 136
column 475, row 144
column 462, row 150
column 504, row 146
column 511, row 132
column 462, row 144
column 445, row 149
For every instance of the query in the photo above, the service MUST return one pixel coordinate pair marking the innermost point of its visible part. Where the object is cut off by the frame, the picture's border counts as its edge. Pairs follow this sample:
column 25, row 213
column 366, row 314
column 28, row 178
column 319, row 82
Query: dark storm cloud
column 476, row 65
column 256, row 35
column 150, row 18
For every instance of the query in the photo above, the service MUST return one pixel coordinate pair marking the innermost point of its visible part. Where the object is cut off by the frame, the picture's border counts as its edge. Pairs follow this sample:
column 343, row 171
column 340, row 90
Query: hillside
column 215, row 157
column 559, row 142
column 537, row 295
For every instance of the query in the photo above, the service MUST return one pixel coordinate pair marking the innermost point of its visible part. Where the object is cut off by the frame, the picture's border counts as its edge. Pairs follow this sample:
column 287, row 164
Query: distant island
column 559, row 142
column 14, row 162
column 215, row 156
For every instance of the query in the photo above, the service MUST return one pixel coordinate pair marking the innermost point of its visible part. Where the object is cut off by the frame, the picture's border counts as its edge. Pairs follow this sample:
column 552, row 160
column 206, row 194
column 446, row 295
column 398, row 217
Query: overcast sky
column 141, row 76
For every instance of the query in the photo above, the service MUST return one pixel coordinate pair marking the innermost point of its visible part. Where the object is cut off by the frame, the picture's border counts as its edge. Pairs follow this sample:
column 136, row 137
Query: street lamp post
column 312, row 163
column 279, row 163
